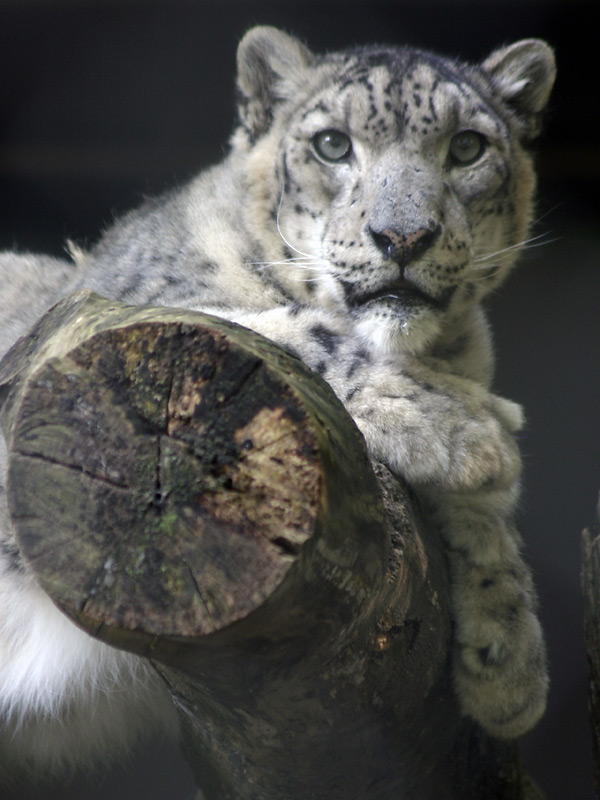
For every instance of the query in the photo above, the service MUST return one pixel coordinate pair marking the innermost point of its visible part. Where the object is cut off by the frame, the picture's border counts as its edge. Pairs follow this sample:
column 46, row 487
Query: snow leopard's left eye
column 332, row 145
column 466, row 147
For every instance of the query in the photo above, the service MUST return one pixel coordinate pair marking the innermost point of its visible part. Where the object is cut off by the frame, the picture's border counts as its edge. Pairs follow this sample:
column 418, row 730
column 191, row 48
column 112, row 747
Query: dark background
column 103, row 102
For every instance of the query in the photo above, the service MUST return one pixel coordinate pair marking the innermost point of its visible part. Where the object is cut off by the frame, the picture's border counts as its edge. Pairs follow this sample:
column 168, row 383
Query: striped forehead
column 401, row 89
column 400, row 64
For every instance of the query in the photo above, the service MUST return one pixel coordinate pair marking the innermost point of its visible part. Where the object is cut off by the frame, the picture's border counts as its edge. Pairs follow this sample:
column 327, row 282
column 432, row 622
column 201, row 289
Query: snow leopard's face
column 400, row 189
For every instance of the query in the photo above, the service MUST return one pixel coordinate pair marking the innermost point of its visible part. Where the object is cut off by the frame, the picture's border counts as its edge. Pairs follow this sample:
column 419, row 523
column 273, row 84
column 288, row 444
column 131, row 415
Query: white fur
column 63, row 695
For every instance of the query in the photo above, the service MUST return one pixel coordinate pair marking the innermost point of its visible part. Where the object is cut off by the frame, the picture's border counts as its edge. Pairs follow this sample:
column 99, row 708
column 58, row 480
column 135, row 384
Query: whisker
column 295, row 259
column 280, row 232
column 535, row 241
column 303, row 261
column 510, row 248
column 542, row 244
column 487, row 276
column 307, row 280
column 548, row 212
column 293, row 262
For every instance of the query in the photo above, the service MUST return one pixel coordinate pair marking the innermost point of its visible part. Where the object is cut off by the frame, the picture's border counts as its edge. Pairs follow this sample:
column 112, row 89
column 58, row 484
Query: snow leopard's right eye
column 332, row 146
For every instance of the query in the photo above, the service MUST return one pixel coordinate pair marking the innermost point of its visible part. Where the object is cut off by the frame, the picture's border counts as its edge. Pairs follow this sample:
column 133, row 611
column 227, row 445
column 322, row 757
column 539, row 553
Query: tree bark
column 186, row 490
column 591, row 622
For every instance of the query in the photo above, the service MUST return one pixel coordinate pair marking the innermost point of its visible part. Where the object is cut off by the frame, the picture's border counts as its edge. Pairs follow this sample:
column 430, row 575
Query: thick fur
column 370, row 201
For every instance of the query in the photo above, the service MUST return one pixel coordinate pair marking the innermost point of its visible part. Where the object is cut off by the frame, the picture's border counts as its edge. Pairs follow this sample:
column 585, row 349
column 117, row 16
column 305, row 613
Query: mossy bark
column 185, row 490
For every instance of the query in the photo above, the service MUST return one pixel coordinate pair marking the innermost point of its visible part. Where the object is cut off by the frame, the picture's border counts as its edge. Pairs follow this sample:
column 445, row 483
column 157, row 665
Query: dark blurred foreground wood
column 187, row 491
column 591, row 622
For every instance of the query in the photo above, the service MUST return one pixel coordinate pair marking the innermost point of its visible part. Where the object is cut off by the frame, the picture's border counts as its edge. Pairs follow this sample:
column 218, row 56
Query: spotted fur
column 370, row 201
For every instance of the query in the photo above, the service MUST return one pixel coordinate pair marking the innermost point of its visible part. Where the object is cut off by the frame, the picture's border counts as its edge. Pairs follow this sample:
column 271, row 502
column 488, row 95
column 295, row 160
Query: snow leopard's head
column 391, row 181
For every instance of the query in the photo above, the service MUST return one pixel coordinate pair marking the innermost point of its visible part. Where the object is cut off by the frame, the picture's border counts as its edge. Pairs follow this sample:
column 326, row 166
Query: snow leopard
column 370, row 200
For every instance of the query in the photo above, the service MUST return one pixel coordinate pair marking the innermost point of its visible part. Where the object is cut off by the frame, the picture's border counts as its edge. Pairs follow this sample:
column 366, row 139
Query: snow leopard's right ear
column 270, row 66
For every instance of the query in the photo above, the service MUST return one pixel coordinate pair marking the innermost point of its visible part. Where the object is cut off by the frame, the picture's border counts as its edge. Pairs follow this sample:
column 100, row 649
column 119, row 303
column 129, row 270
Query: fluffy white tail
column 65, row 698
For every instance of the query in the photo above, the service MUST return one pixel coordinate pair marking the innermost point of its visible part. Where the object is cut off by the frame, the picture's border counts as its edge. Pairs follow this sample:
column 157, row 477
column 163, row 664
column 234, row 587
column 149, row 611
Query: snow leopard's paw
column 499, row 657
column 483, row 454
column 437, row 439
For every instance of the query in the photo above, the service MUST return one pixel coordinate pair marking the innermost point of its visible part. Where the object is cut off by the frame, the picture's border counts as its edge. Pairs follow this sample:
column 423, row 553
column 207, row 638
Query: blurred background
column 105, row 101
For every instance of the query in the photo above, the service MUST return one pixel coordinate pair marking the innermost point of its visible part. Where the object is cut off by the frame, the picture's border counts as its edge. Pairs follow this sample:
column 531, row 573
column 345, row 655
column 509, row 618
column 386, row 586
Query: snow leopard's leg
column 500, row 661
column 500, row 669
column 454, row 442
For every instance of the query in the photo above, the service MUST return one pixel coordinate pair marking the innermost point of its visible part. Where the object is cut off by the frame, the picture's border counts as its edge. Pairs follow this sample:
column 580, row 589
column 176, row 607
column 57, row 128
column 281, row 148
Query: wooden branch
column 591, row 622
column 185, row 490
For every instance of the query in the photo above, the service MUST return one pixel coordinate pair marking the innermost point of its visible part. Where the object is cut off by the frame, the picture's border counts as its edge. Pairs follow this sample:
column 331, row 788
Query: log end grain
column 162, row 480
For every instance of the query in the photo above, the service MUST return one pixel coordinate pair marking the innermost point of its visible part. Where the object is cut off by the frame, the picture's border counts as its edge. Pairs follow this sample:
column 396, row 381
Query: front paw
column 482, row 454
column 499, row 655
column 455, row 435
column 454, row 453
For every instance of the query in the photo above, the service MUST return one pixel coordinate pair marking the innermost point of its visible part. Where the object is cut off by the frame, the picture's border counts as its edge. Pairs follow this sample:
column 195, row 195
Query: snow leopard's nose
column 404, row 247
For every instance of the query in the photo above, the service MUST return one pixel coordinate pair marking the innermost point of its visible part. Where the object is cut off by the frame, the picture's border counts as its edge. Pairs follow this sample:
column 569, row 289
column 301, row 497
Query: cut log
column 186, row 490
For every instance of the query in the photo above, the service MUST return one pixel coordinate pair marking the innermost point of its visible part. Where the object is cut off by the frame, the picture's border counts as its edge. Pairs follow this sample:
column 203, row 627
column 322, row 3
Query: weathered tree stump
column 591, row 622
column 186, row 490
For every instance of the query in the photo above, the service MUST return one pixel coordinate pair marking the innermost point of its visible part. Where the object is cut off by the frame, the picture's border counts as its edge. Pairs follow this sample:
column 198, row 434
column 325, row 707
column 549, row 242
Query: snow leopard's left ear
column 270, row 66
column 523, row 73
